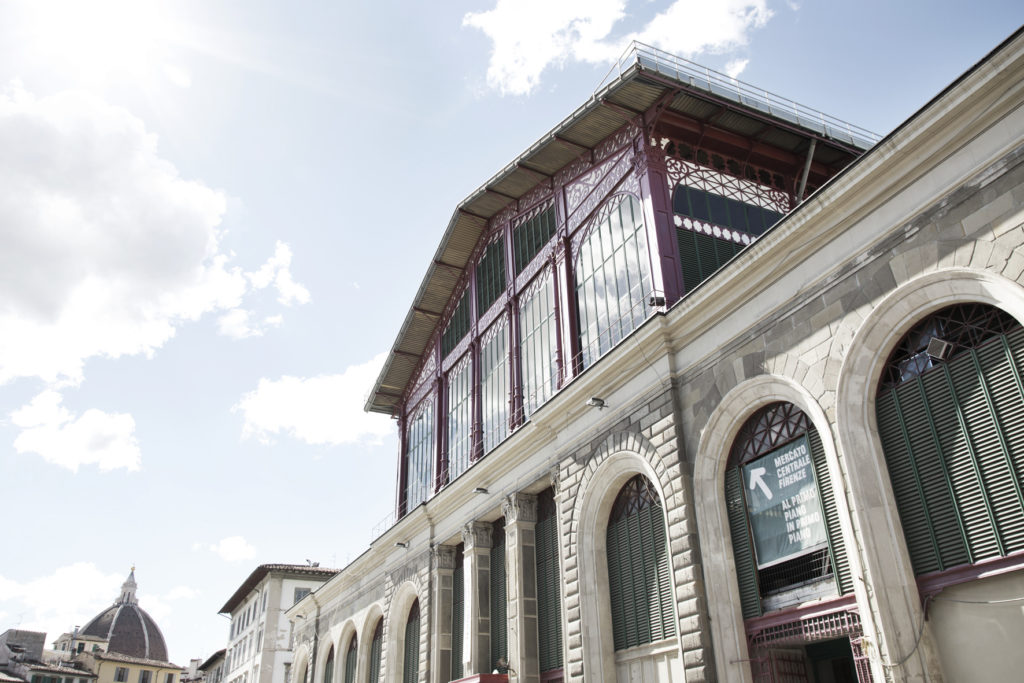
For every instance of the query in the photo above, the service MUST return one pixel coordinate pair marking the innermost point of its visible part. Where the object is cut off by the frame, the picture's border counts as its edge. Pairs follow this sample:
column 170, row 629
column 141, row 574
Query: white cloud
column 325, row 409
column 178, row 76
column 735, row 67
column 277, row 271
column 62, row 438
column 234, row 549
column 54, row 603
column 530, row 35
column 104, row 248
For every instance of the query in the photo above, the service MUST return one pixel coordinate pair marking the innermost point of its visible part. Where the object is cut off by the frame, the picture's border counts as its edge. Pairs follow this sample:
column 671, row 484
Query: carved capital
column 556, row 481
column 519, row 507
column 442, row 557
column 477, row 535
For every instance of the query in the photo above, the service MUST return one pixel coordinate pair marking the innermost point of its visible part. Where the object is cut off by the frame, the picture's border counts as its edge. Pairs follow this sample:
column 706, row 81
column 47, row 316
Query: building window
column 375, row 652
column 490, row 276
column 411, row 660
column 169, row 678
column 530, row 236
column 783, row 518
column 458, row 607
column 351, row 658
column 460, row 418
column 329, row 667
column 300, row 593
column 457, row 327
column 538, row 342
column 499, row 596
column 419, row 456
column 639, row 575
column 494, row 385
column 549, row 582
column 950, row 404
column 613, row 279
column 121, row 674
column 145, row 676
column 81, row 647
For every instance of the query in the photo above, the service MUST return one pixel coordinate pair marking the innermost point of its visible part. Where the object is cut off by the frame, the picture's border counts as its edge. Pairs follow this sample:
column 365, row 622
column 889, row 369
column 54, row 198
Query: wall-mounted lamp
column 402, row 544
column 596, row 402
column 657, row 301
column 481, row 489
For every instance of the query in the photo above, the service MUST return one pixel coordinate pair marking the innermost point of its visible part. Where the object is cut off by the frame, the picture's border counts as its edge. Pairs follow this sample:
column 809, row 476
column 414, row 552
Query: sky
column 214, row 215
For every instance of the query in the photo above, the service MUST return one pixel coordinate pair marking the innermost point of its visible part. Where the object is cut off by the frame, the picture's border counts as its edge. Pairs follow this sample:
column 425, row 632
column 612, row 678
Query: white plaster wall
column 979, row 629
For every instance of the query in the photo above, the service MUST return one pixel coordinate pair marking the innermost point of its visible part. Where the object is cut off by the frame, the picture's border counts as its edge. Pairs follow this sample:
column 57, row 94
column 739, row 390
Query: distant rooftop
column 304, row 570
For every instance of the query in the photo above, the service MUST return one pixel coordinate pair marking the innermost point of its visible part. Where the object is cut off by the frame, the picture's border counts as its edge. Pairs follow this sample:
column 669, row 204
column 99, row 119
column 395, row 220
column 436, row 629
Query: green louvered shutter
column 458, row 607
column 639, row 572
column 742, row 549
column 329, row 667
column 375, row 652
column 701, row 255
column 953, row 439
column 350, row 661
column 836, row 546
column 411, row 661
column 499, row 595
column 549, row 596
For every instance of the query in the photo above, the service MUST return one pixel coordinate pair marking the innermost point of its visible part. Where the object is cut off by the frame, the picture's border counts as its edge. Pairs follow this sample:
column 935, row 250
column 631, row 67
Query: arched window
column 419, row 456
column 351, row 655
column 411, row 660
column 638, row 568
column 373, row 675
column 950, row 410
column 329, row 667
column 783, row 518
column 613, row 279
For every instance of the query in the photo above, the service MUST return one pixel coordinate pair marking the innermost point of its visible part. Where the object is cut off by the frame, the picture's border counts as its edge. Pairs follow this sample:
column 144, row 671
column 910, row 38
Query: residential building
column 705, row 385
column 212, row 670
column 259, row 641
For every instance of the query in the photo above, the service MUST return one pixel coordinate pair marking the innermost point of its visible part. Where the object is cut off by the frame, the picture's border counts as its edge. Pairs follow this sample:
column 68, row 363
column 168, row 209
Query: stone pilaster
column 521, row 561
column 476, row 559
column 442, row 565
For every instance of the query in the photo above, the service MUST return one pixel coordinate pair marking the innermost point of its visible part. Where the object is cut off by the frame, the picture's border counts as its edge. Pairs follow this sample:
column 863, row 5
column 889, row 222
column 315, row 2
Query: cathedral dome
column 127, row 628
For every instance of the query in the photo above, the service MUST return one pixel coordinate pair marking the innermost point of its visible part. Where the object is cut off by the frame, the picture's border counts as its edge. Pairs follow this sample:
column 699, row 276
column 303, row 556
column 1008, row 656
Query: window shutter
column 549, row 598
column 350, row 661
column 639, row 572
column 411, row 663
column 375, row 652
column 499, row 595
column 701, row 255
column 953, row 438
column 458, row 607
column 742, row 549
column 836, row 546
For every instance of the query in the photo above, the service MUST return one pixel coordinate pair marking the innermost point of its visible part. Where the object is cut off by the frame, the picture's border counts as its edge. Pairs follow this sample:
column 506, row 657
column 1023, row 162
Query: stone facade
column 807, row 314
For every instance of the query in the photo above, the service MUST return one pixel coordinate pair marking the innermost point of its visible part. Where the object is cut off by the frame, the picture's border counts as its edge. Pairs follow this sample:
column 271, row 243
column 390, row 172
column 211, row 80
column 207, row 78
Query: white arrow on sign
column 757, row 479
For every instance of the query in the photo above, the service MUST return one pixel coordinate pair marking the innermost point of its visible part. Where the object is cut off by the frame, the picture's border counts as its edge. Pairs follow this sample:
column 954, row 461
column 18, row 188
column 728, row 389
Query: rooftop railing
column 720, row 85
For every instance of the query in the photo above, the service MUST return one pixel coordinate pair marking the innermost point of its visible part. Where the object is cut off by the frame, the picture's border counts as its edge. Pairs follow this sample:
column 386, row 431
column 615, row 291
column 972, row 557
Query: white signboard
column 783, row 504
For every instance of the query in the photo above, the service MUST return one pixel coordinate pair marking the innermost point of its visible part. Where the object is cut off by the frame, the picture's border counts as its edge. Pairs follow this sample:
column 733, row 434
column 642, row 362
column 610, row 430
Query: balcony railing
column 720, row 85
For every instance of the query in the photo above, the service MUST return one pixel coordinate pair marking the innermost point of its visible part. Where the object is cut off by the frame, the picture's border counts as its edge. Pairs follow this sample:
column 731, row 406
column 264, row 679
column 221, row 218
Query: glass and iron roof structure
column 678, row 96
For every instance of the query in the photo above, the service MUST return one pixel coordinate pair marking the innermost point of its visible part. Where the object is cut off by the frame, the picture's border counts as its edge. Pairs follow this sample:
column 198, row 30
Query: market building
column 705, row 385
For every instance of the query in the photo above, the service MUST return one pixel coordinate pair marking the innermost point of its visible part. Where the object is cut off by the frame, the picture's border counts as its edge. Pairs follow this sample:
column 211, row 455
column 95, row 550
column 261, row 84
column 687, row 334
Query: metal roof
column 639, row 80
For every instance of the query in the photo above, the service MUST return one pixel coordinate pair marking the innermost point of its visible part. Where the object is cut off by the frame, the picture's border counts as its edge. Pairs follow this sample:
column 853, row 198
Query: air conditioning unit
column 939, row 349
